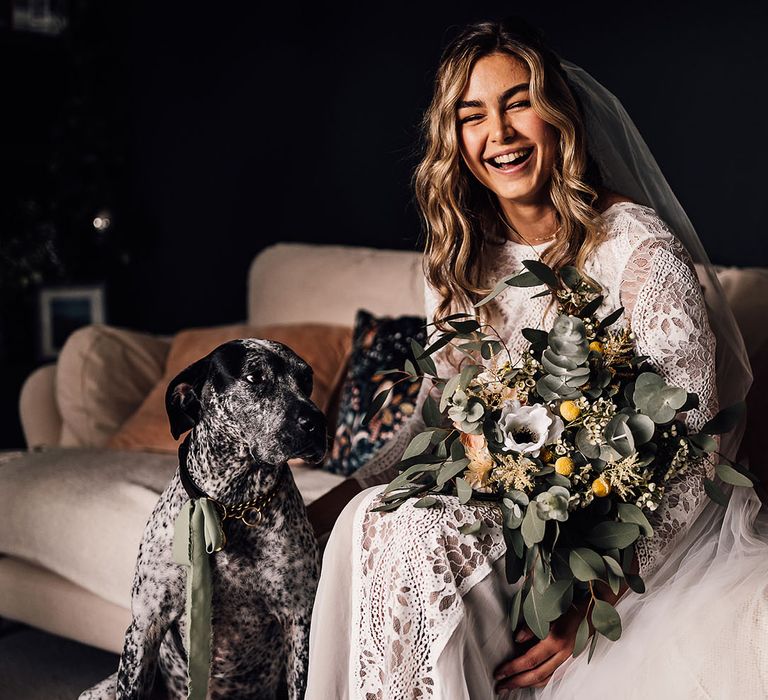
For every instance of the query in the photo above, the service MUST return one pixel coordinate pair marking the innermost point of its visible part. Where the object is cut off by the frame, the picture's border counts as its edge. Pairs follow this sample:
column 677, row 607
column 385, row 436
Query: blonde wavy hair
column 460, row 215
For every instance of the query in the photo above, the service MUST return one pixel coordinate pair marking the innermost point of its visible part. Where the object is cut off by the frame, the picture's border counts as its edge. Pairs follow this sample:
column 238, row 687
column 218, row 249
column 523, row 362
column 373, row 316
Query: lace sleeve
column 665, row 305
column 380, row 469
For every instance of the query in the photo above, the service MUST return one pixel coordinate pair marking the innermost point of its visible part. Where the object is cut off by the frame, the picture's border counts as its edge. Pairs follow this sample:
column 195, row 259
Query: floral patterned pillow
column 378, row 343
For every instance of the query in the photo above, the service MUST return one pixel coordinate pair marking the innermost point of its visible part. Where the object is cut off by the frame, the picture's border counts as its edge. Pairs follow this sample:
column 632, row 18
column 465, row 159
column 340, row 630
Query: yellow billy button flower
column 596, row 345
column 569, row 410
column 564, row 466
column 601, row 487
column 546, row 455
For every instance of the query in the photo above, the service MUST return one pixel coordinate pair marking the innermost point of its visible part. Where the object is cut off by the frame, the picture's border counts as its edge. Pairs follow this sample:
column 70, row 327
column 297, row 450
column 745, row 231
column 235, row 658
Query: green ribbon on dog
column 197, row 534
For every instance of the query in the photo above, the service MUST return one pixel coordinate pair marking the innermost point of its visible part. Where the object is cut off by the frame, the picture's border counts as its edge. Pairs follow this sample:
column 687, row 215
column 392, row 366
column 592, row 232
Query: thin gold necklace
column 528, row 243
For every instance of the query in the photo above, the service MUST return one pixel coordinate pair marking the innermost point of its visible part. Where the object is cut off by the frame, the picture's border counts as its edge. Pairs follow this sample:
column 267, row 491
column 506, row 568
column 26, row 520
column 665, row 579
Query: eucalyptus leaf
column 427, row 502
column 457, row 450
column 533, row 527
column 499, row 287
column 468, row 374
column 464, row 327
column 443, row 340
column 703, row 441
column 570, row 276
column 716, row 493
column 533, row 614
column 518, row 544
column 606, row 620
column 585, row 564
column 556, row 599
column 636, row 583
column 426, row 363
column 418, row 444
column 523, row 279
column 376, row 404
column 611, row 318
column 630, row 513
column 386, row 507
column 543, row 272
column 613, row 566
column 514, row 613
column 450, row 470
column 610, row 534
column 535, row 335
column 591, row 306
column 430, row 411
column 582, row 637
column 726, row 419
column 588, row 449
column 463, row 490
column 514, row 567
column 614, row 582
column 460, row 314
column 592, row 646
column 545, row 293
column 448, row 391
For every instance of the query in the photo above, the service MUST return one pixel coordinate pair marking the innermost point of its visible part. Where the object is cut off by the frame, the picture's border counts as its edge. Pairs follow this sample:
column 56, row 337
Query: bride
column 527, row 156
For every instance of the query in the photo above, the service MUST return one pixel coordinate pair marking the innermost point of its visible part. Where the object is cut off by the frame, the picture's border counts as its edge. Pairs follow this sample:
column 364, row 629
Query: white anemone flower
column 526, row 429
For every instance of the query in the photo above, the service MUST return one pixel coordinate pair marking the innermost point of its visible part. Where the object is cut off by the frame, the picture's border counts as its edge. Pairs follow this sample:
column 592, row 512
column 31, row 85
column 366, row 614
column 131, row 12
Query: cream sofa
column 73, row 511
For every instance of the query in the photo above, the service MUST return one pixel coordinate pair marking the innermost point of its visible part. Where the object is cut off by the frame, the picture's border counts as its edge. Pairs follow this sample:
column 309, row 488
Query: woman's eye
column 470, row 118
column 525, row 103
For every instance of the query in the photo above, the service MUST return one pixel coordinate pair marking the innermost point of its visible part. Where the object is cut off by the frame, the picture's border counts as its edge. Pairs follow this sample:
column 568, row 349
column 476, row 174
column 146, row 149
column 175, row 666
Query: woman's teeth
column 511, row 159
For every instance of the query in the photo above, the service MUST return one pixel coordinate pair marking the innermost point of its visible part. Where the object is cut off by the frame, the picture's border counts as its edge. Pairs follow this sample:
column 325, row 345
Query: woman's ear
column 183, row 397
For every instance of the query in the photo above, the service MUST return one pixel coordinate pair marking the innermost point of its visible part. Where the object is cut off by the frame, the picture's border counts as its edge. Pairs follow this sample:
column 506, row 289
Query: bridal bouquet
column 576, row 440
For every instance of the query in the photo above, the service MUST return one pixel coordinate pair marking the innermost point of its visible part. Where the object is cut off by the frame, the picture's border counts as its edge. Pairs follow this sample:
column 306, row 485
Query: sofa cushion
column 323, row 346
column 379, row 343
column 81, row 513
column 103, row 374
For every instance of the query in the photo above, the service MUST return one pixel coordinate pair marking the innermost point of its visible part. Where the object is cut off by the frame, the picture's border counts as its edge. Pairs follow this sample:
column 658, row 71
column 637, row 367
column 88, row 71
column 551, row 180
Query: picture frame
column 64, row 309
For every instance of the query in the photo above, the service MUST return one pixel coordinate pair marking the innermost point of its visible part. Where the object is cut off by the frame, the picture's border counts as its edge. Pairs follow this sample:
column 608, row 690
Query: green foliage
column 533, row 613
column 610, row 533
column 533, row 527
column 630, row 513
column 606, row 620
column 726, row 419
column 586, row 564
column 582, row 637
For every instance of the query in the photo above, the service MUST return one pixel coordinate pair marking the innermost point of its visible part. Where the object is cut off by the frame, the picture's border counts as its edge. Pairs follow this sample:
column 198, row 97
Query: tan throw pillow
column 323, row 346
column 102, row 376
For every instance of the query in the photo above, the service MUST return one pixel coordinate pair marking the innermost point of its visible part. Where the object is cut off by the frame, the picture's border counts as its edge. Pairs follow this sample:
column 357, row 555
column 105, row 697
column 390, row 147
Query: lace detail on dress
column 664, row 300
column 416, row 566
column 413, row 565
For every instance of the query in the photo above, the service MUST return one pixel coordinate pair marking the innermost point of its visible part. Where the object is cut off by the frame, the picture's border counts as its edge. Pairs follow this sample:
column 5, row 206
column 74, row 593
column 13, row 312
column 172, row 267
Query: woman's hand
column 536, row 666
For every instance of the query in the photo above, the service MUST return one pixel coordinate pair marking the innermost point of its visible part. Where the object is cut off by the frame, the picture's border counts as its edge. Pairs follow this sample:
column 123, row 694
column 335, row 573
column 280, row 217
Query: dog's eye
column 252, row 378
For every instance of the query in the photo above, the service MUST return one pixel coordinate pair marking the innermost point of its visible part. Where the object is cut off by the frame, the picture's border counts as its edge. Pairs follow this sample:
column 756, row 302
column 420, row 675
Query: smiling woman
column 527, row 156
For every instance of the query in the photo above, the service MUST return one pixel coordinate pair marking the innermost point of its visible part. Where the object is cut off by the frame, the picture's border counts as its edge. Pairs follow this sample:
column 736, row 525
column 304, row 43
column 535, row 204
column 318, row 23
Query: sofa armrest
column 38, row 409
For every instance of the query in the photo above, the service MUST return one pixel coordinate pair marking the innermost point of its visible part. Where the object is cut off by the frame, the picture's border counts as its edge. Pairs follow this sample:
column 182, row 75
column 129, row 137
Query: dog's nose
column 309, row 424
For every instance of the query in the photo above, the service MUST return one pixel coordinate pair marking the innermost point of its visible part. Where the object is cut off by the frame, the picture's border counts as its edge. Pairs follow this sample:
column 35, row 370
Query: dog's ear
column 183, row 397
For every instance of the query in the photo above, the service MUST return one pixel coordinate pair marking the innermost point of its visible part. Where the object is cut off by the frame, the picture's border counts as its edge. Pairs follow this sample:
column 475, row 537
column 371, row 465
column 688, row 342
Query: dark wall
column 213, row 131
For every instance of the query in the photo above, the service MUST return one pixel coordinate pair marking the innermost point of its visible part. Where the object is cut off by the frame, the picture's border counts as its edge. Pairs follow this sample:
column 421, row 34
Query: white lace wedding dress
column 408, row 607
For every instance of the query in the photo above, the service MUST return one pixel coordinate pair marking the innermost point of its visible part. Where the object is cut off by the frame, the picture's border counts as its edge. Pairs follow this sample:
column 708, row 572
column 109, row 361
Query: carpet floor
column 35, row 665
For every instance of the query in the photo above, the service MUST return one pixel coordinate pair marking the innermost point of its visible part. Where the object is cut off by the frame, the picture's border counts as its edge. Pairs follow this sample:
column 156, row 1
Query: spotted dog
column 247, row 404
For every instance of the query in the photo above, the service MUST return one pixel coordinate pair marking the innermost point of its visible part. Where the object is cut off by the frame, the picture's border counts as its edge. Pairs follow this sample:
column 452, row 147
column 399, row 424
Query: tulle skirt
column 700, row 630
